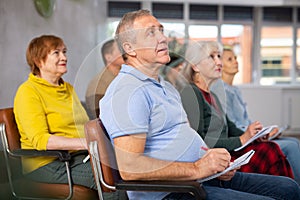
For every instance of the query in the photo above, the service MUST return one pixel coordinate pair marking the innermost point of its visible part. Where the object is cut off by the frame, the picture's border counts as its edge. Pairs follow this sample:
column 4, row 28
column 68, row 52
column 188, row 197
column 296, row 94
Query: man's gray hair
column 125, row 32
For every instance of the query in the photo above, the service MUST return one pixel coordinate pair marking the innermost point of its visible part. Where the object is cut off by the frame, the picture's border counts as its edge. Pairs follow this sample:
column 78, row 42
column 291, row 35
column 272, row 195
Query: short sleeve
column 129, row 114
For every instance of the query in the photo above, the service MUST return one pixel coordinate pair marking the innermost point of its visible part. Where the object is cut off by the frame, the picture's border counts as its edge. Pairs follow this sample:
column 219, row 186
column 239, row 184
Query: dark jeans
column 254, row 187
column 247, row 186
column 182, row 196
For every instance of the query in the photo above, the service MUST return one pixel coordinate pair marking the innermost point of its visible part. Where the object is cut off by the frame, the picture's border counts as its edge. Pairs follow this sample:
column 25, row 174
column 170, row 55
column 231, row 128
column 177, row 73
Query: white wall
column 77, row 22
column 274, row 105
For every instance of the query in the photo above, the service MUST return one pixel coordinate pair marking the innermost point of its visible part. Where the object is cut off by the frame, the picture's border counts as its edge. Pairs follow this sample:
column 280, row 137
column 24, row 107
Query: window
column 271, row 66
column 203, row 32
column 276, row 55
column 238, row 13
column 268, row 60
column 111, row 28
column 203, row 12
column 298, row 17
column 297, row 71
column 277, row 14
column 174, row 29
column 119, row 8
column 167, row 10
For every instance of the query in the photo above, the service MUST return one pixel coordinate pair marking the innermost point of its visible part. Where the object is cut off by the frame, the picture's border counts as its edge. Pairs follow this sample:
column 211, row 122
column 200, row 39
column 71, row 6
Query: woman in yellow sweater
column 50, row 116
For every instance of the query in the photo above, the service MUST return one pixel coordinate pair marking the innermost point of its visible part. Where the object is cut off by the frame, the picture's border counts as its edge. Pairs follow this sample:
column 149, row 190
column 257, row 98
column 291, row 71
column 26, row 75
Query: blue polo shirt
column 135, row 103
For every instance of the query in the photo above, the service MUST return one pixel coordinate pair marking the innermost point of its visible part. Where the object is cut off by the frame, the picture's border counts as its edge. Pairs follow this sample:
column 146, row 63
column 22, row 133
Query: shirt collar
column 127, row 69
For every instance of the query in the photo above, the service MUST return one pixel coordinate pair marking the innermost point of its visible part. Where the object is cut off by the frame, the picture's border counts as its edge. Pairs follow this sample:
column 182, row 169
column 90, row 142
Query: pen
column 86, row 159
column 204, row 148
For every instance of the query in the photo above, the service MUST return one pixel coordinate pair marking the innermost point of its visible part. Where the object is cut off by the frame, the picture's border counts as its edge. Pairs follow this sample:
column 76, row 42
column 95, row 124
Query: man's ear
column 108, row 58
column 195, row 68
column 128, row 48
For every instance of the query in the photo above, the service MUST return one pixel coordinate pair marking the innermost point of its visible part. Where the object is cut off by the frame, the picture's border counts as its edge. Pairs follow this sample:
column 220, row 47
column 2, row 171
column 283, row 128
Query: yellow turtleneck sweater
column 42, row 109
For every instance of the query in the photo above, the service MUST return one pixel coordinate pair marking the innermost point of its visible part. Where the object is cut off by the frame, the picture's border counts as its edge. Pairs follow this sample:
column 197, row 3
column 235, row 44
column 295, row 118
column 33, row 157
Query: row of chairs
column 103, row 162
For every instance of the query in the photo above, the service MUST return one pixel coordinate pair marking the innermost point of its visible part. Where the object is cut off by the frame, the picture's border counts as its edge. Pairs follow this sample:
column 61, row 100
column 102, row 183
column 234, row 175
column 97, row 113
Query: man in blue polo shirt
column 148, row 126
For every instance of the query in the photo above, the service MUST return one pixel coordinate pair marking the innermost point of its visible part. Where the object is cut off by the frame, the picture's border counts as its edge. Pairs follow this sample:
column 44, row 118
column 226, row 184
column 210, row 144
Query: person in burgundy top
column 207, row 115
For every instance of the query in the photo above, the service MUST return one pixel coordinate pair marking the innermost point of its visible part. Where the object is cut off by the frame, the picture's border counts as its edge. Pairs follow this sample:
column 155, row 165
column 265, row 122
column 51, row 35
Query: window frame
column 256, row 24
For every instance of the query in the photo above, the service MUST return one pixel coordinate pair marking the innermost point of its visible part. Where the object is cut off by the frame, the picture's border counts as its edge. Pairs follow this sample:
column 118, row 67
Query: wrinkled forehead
column 209, row 50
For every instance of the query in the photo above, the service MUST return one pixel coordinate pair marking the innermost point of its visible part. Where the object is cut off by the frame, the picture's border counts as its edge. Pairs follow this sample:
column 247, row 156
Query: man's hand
column 214, row 161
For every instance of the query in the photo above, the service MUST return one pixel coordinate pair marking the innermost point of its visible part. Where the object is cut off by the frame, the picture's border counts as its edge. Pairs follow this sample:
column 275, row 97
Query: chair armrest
column 62, row 155
column 164, row 186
